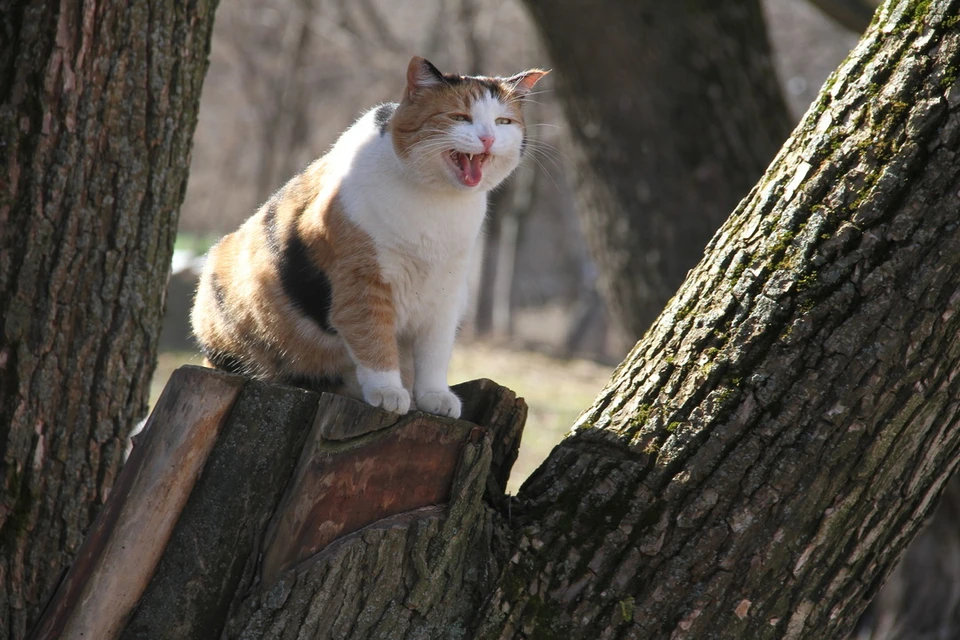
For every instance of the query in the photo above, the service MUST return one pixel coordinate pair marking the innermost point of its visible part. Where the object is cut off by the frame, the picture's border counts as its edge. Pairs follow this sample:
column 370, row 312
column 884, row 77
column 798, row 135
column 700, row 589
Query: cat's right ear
column 420, row 75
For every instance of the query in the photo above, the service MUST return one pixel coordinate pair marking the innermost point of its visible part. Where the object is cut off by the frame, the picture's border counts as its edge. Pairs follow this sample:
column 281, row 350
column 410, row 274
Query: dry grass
column 555, row 390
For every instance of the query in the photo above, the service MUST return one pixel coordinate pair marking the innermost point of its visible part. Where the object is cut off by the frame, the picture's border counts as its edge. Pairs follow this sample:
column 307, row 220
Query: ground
column 555, row 390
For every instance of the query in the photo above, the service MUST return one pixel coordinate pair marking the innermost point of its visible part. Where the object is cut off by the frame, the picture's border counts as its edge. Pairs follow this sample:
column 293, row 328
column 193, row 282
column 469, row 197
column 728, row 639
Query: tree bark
column 674, row 110
column 761, row 459
column 98, row 104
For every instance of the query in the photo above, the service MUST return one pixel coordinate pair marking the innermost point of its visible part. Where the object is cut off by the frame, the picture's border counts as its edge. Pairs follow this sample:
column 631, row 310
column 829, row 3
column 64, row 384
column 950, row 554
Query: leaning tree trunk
column 675, row 111
column 98, row 105
column 757, row 465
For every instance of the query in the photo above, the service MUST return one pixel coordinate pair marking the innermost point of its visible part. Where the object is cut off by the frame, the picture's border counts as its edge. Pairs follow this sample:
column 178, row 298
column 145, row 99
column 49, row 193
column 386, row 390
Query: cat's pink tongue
column 472, row 169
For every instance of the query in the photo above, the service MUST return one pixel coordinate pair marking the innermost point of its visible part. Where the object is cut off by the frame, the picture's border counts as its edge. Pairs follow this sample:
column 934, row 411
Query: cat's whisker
column 546, row 171
column 547, row 150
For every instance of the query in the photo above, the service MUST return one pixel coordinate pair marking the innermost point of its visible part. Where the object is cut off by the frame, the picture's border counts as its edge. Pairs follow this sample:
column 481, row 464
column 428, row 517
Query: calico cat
column 352, row 277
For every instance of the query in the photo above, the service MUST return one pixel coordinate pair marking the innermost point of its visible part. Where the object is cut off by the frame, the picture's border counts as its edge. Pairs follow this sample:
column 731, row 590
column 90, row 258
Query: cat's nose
column 487, row 143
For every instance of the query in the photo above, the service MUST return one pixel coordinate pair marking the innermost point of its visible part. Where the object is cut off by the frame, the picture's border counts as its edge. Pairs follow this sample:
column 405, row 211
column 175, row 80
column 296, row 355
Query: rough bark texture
column 209, row 556
column 675, row 111
column 761, row 459
column 920, row 600
column 98, row 103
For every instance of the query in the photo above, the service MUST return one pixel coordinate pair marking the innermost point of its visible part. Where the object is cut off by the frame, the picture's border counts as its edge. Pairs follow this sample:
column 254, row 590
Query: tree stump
column 242, row 501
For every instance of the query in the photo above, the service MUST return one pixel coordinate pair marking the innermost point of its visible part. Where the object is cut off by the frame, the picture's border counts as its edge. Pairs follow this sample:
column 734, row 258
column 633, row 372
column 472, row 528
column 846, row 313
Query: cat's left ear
column 420, row 75
column 521, row 83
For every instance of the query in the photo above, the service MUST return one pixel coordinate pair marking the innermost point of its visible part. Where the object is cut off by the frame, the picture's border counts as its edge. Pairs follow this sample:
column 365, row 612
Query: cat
column 352, row 277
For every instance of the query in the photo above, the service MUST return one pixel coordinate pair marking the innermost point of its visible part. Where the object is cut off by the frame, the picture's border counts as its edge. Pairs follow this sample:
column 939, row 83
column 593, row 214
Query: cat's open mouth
column 469, row 166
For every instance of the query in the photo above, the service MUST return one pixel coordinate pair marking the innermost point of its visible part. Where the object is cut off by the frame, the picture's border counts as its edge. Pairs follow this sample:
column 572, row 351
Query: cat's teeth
column 470, row 156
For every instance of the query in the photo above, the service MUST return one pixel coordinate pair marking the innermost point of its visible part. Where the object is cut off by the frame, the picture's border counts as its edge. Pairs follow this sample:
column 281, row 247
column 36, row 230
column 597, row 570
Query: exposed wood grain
column 415, row 575
column 122, row 549
column 341, row 418
column 341, row 486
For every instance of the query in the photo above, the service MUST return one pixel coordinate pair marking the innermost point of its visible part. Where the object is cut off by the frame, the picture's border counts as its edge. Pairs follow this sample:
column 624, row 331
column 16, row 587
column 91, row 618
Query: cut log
column 223, row 522
column 341, row 486
column 266, row 482
column 128, row 538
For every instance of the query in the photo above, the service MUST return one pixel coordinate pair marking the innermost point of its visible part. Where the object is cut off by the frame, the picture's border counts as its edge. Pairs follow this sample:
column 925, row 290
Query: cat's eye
column 504, row 121
column 461, row 117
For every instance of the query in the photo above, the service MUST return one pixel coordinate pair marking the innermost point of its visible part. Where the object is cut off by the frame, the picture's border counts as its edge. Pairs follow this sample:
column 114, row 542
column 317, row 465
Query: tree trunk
column 499, row 202
column 675, row 111
column 761, row 459
column 98, row 105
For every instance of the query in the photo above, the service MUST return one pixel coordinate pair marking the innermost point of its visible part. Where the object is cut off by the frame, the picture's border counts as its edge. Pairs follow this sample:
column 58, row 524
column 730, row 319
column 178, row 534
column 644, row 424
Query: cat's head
column 464, row 132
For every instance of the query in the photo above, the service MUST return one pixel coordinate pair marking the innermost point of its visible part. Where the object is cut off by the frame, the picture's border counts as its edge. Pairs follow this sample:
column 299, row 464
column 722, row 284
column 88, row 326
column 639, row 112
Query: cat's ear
column 521, row 83
column 420, row 75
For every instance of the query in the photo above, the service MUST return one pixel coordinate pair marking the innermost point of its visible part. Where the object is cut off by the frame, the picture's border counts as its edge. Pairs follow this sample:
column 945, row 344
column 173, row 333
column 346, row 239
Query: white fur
column 383, row 389
column 425, row 225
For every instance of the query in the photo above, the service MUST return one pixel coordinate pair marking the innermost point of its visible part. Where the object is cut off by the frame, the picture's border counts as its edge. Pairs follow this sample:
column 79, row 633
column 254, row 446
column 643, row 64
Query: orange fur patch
column 243, row 312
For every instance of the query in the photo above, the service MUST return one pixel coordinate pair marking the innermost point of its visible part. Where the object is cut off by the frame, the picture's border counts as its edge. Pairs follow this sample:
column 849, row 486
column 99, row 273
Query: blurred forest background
column 287, row 76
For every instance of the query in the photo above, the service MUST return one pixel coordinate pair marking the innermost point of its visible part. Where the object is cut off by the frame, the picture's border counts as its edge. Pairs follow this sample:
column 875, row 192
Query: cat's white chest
column 424, row 237
column 426, row 281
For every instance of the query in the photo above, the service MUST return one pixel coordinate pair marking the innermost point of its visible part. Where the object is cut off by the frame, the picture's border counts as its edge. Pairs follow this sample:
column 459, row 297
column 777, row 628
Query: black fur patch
column 219, row 295
column 382, row 116
column 270, row 226
column 223, row 360
column 495, row 88
column 307, row 286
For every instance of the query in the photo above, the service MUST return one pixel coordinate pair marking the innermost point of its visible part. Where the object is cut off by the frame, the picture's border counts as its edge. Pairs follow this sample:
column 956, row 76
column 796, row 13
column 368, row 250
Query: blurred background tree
column 675, row 111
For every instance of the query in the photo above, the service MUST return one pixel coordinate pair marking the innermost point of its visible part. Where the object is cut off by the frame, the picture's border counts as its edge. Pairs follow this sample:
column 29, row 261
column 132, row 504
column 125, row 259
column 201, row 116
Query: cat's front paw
column 395, row 399
column 441, row 403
